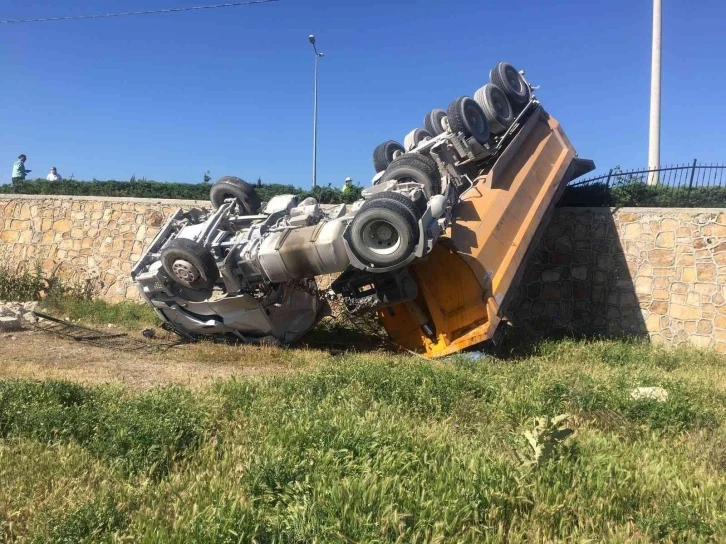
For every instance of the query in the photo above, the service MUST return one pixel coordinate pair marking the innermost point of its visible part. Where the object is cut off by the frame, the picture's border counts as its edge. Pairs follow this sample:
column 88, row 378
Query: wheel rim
column 474, row 118
column 514, row 80
column 381, row 237
column 185, row 272
column 500, row 106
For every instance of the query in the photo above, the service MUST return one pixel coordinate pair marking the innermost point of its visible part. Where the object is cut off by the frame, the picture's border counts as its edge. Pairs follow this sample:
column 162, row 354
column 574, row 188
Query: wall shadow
column 579, row 281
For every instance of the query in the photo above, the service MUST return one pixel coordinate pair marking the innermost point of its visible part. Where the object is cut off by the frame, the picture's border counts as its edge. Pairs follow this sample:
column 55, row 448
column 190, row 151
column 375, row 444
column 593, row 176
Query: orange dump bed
column 465, row 281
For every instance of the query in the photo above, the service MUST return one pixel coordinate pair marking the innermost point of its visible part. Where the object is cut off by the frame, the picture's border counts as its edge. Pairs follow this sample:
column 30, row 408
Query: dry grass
column 37, row 355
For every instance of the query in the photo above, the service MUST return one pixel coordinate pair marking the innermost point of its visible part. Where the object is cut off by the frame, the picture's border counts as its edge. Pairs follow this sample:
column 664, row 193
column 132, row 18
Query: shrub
column 178, row 191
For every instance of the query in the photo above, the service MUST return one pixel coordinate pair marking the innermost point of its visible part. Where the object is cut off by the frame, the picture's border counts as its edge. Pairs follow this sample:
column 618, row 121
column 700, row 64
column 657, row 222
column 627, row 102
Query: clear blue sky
column 168, row 97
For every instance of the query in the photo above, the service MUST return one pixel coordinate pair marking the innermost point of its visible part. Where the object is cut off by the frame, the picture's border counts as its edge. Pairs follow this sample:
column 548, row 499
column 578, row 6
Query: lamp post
column 655, row 79
column 315, row 114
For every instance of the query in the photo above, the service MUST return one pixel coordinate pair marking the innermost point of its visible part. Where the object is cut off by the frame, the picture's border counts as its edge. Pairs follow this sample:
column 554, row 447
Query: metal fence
column 686, row 185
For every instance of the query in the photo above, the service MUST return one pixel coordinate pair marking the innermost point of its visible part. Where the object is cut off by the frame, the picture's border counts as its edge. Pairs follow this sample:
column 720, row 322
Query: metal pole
column 655, row 80
column 315, row 128
column 315, row 114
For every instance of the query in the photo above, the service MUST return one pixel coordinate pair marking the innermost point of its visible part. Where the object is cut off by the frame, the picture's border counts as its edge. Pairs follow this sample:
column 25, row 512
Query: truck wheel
column 433, row 120
column 415, row 137
column 417, row 168
column 383, row 233
column 496, row 106
column 398, row 197
column 190, row 264
column 508, row 79
column 385, row 153
column 466, row 116
column 232, row 187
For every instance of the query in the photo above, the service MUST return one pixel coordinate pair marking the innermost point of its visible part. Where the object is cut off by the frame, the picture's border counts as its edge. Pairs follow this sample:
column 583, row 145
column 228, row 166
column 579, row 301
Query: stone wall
column 659, row 273
column 83, row 237
column 650, row 272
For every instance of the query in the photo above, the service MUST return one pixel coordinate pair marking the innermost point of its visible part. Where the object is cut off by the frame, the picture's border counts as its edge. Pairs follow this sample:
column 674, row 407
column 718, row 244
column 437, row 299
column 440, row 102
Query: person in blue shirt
column 19, row 172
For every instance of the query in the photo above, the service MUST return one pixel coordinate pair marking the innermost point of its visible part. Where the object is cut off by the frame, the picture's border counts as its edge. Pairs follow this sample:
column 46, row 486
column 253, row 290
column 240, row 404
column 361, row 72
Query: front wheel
column 190, row 264
column 232, row 187
column 384, row 154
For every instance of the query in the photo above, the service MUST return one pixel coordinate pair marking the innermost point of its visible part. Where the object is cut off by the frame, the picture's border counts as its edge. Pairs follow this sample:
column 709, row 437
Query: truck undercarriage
column 433, row 246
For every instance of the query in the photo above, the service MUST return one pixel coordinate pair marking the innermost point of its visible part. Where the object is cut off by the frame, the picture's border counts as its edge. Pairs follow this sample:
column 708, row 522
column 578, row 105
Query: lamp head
column 312, row 39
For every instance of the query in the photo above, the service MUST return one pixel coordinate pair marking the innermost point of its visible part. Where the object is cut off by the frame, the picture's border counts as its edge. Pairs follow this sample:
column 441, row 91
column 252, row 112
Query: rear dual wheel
column 496, row 107
column 510, row 81
column 466, row 116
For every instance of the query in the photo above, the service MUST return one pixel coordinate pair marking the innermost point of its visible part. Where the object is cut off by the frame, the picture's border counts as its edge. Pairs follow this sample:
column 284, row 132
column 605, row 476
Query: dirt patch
column 38, row 355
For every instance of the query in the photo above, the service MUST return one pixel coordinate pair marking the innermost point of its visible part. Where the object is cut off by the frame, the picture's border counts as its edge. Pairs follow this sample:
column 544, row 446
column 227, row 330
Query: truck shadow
column 579, row 281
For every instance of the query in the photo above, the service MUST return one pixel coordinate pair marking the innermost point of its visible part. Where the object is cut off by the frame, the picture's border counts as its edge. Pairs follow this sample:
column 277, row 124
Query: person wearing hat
column 53, row 175
column 348, row 185
column 19, row 172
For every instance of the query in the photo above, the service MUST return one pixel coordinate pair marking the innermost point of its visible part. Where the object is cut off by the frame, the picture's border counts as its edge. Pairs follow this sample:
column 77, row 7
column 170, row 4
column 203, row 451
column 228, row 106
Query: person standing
column 19, row 172
column 348, row 185
column 53, row 175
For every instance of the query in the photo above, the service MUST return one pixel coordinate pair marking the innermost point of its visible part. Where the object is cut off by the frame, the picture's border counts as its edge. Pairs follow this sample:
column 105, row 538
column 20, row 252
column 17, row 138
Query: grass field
column 375, row 448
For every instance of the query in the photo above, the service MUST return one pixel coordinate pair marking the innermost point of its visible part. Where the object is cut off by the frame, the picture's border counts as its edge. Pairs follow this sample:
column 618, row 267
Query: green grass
column 377, row 448
column 131, row 315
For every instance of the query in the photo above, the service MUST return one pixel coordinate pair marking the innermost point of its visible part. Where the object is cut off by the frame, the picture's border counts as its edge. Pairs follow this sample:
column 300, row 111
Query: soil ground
column 39, row 355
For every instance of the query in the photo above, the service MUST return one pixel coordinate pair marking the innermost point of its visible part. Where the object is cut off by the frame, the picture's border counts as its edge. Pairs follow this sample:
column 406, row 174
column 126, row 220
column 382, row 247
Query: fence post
column 607, row 187
column 690, row 184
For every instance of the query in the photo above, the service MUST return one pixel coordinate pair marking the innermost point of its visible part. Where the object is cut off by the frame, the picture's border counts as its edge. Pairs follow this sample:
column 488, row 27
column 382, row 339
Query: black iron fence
column 688, row 185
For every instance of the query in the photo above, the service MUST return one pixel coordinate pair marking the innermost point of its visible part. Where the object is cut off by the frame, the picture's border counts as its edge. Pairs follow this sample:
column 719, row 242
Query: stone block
column 704, row 327
column 706, row 272
column 693, row 299
column 643, row 285
column 662, row 257
column 63, row 225
column 10, row 324
column 9, row 236
column 688, row 274
column 551, row 292
column 659, row 307
column 632, row 231
column 652, row 323
column 681, row 311
column 551, row 276
column 665, row 240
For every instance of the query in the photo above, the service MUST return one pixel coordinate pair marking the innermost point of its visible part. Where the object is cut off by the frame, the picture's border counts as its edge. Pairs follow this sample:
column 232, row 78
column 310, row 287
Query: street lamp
column 315, row 114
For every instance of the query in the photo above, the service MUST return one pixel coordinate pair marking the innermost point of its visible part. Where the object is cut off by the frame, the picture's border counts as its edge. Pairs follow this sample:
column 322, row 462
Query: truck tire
column 433, row 122
column 232, row 187
column 415, row 137
column 496, row 106
column 508, row 79
column 385, row 153
column 190, row 264
column 466, row 116
column 398, row 197
column 383, row 233
column 418, row 168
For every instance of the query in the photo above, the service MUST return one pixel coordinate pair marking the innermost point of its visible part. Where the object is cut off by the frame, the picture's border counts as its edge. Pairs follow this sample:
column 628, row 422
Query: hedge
column 183, row 191
column 631, row 193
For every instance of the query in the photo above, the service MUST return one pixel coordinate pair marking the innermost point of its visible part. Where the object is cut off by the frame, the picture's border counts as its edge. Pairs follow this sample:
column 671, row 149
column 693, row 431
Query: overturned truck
column 434, row 246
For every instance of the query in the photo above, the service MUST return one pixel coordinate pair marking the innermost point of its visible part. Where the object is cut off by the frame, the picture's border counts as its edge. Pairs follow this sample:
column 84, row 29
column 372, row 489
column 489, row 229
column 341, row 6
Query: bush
column 178, row 191
column 635, row 193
